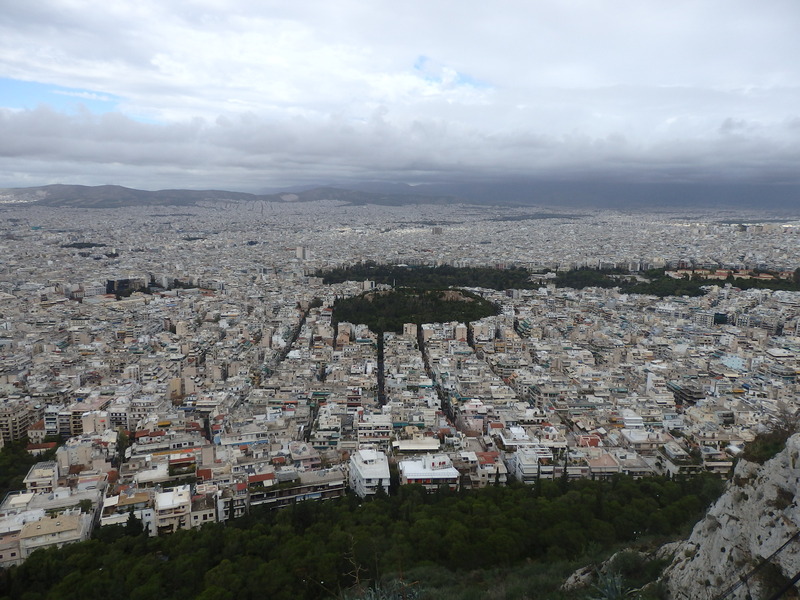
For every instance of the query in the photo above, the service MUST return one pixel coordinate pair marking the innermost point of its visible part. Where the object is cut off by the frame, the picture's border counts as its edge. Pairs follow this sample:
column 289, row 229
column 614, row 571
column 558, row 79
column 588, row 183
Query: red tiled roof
column 487, row 458
column 44, row 446
column 592, row 440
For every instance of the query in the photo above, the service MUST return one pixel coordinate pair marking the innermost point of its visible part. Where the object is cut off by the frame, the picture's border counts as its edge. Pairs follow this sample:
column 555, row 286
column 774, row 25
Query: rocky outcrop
column 750, row 538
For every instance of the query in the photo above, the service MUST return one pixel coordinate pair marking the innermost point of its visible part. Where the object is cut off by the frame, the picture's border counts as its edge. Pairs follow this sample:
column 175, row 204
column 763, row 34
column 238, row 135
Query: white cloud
column 84, row 95
column 255, row 93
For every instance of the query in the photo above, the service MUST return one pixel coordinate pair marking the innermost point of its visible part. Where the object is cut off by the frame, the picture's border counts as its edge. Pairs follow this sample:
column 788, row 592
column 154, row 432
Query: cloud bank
column 247, row 95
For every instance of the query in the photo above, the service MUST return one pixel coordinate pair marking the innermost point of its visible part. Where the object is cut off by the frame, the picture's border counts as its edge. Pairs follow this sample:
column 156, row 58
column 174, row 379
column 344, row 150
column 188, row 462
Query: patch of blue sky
column 435, row 72
column 20, row 95
column 420, row 63
column 464, row 79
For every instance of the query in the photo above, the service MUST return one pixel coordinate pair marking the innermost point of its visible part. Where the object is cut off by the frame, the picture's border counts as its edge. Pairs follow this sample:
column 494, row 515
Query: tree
column 134, row 525
column 565, row 473
column 381, row 492
column 123, row 441
column 15, row 461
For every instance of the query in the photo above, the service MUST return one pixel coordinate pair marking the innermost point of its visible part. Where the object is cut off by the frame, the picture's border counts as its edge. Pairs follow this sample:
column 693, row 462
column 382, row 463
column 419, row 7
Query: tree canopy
column 657, row 282
column 15, row 462
column 440, row 277
column 390, row 310
column 321, row 549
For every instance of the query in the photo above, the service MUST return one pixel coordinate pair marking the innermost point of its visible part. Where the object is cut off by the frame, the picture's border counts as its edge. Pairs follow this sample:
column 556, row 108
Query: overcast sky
column 248, row 95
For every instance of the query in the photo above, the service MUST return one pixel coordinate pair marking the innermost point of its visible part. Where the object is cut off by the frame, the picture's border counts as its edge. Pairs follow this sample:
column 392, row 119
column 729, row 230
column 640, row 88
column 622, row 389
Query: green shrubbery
column 769, row 443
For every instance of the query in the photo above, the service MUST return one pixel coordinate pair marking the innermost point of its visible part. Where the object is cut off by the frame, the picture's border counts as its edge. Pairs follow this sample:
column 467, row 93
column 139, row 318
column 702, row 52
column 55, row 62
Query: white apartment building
column 430, row 471
column 369, row 469
column 173, row 508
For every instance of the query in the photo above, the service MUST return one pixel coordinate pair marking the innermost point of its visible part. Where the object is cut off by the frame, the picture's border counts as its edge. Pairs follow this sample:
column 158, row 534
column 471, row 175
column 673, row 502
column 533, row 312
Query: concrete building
column 369, row 470
column 16, row 416
column 172, row 509
column 431, row 471
column 42, row 477
column 54, row 531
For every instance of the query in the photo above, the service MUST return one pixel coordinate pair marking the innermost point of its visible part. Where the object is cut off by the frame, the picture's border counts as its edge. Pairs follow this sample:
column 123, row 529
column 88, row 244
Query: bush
column 768, row 444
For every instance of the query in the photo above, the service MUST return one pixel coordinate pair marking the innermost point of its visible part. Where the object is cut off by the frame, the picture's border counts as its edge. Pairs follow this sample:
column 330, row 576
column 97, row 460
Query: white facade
column 369, row 469
column 172, row 509
column 431, row 471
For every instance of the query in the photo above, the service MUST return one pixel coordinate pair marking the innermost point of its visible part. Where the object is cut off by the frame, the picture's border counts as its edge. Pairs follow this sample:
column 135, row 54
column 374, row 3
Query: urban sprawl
column 184, row 363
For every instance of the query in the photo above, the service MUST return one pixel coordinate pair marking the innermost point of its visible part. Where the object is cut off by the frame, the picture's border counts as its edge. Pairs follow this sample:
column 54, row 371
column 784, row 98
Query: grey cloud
column 730, row 126
column 257, row 93
column 248, row 150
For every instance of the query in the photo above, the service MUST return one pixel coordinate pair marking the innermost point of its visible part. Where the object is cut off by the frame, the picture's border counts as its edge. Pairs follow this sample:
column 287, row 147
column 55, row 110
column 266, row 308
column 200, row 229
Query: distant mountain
column 115, row 196
column 573, row 194
column 111, row 196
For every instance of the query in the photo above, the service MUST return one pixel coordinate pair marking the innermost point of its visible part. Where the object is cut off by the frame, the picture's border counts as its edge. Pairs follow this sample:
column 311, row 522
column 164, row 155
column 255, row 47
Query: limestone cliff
column 748, row 526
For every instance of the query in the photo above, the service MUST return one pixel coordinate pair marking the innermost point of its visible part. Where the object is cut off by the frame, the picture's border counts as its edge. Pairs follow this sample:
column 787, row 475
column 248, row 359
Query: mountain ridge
column 576, row 194
column 116, row 196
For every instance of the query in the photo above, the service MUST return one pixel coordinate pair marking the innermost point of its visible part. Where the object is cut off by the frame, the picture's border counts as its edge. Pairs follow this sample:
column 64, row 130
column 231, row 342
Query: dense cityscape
column 183, row 365
column 383, row 301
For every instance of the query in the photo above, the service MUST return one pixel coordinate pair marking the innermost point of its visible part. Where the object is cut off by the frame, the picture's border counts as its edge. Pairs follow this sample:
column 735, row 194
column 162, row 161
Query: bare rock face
column 749, row 524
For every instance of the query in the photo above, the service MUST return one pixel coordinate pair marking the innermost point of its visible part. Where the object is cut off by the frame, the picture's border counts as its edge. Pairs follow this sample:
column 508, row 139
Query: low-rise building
column 42, row 477
column 172, row 509
column 54, row 531
column 431, row 471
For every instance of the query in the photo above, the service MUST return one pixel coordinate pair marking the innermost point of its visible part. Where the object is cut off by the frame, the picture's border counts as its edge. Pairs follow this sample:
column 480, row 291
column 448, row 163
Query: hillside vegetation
column 322, row 549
